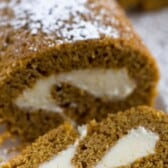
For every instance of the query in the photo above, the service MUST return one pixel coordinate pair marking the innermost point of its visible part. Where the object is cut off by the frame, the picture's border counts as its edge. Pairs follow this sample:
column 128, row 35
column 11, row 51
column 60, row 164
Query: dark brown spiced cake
column 69, row 60
column 137, row 138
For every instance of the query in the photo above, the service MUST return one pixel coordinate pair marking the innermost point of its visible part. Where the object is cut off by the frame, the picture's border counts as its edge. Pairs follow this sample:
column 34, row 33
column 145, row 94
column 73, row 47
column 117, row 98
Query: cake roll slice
column 44, row 148
column 143, row 4
column 136, row 138
column 69, row 60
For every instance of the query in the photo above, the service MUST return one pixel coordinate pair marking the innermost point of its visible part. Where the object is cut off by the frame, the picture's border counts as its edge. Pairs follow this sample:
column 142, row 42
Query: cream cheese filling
column 63, row 159
column 110, row 83
column 136, row 144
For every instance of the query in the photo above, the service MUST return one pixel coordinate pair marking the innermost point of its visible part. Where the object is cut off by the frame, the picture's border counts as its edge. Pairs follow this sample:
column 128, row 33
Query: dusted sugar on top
column 73, row 60
column 68, row 20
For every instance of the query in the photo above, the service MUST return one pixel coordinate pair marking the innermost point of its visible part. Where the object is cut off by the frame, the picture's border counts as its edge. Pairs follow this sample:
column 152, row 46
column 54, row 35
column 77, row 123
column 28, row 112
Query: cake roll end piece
column 136, row 144
column 64, row 158
column 134, row 138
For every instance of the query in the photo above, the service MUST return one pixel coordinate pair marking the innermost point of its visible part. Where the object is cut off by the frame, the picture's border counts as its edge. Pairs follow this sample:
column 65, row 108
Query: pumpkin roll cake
column 72, row 61
column 136, row 138
column 144, row 4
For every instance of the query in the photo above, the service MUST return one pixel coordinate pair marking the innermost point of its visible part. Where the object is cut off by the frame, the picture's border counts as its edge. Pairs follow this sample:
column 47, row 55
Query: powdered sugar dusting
column 67, row 19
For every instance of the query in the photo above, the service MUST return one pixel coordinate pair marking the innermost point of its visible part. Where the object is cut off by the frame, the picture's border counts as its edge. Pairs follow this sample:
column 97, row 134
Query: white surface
column 136, row 144
column 113, row 84
column 153, row 29
column 63, row 159
column 7, row 146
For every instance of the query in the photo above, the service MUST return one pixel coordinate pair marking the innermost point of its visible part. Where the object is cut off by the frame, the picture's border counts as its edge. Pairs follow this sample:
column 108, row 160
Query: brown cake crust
column 100, row 137
column 27, row 56
column 45, row 147
column 106, row 133
column 144, row 4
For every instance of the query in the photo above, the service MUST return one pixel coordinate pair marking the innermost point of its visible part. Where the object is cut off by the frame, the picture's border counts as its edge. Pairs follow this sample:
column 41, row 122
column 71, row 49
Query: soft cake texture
column 134, row 138
column 63, row 159
column 74, row 60
column 95, row 82
column 137, row 144
column 54, row 142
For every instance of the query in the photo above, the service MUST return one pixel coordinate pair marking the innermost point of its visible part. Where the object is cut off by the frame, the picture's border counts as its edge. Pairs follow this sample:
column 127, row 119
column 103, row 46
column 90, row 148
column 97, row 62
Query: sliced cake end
column 136, row 138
